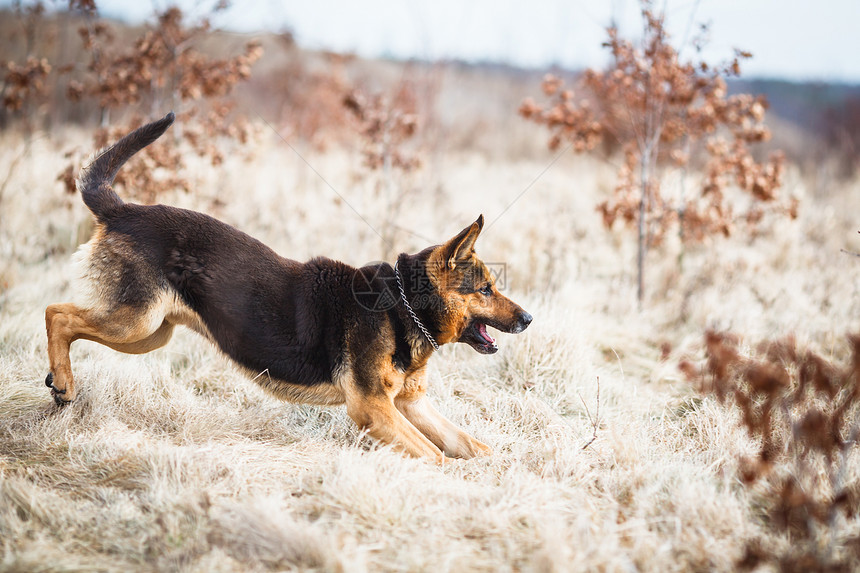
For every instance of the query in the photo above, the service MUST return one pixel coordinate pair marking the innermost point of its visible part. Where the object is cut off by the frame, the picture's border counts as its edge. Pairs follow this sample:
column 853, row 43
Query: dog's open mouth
column 476, row 336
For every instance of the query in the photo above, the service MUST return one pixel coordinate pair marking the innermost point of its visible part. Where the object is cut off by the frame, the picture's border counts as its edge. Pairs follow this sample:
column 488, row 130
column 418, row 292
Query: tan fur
column 318, row 394
column 415, row 407
column 124, row 329
column 380, row 418
column 462, row 307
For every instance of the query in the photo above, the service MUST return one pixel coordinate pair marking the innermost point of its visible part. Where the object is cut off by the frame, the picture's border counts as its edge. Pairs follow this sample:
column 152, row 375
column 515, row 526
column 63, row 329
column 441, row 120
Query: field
column 606, row 457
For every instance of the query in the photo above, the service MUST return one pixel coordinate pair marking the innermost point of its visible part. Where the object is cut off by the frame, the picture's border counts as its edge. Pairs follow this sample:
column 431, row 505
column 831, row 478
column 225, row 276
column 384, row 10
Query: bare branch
column 595, row 422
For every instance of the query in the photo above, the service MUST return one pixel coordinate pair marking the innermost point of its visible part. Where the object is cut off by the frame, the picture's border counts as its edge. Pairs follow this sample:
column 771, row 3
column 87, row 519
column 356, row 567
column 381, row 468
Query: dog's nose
column 523, row 321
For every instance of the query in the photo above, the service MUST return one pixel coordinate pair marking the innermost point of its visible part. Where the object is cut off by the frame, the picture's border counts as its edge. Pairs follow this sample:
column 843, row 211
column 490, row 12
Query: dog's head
column 468, row 299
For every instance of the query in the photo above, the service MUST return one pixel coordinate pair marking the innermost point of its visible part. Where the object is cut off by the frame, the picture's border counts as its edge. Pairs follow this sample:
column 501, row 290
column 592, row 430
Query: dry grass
column 173, row 461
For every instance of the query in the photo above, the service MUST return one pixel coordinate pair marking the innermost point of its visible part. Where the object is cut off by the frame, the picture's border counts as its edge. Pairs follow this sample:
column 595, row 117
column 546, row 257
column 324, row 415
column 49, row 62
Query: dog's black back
column 268, row 313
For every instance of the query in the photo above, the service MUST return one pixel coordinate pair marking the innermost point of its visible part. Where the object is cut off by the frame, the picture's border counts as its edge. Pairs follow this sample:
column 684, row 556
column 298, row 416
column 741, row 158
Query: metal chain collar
column 412, row 312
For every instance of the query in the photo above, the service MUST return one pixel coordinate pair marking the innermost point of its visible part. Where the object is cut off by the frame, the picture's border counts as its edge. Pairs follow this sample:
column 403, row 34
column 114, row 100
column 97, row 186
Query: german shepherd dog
column 311, row 332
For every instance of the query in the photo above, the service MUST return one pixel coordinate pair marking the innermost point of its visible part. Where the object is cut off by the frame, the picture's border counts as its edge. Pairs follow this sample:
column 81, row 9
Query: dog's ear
column 462, row 247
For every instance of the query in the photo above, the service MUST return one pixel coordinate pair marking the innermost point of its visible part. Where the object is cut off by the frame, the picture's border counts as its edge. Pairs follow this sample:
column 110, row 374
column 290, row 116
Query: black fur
column 419, row 290
column 95, row 179
column 264, row 311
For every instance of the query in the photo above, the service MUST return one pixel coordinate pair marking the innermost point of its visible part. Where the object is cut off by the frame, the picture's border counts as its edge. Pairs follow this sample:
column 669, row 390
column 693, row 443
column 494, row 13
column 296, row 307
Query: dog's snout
column 523, row 321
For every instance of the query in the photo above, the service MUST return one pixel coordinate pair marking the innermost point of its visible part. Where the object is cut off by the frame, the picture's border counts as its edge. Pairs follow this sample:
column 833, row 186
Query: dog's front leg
column 371, row 406
column 440, row 430
column 414, row 405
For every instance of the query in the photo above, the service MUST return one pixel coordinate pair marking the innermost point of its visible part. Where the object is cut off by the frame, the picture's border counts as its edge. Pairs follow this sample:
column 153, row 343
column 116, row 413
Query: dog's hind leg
column 126, row 330
column 416, row 407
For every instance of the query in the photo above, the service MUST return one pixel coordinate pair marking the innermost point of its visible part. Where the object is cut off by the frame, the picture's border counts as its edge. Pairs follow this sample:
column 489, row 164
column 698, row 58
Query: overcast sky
column 793, row 39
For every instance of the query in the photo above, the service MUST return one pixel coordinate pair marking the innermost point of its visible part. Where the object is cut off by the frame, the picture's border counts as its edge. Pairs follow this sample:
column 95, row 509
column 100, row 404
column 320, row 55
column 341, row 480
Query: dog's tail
column 95, row 179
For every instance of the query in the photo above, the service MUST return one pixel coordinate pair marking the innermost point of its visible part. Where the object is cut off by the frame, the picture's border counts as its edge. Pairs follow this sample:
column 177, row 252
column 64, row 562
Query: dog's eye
column 487, row 289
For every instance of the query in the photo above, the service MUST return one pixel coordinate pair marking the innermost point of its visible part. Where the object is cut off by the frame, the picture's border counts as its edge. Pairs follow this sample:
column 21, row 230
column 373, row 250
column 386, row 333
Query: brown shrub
column 803, row 411
column 654, row 108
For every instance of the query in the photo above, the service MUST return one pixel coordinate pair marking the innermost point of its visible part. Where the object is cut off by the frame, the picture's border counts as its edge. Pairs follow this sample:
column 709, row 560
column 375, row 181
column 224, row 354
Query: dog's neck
column 413, row 301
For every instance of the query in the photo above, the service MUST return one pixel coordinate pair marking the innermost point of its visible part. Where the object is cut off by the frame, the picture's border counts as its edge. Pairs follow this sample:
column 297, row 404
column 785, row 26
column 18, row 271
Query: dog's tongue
column 482, row 330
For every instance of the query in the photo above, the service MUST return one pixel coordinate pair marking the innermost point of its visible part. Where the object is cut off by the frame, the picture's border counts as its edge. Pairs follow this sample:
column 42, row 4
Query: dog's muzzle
column 523, row 321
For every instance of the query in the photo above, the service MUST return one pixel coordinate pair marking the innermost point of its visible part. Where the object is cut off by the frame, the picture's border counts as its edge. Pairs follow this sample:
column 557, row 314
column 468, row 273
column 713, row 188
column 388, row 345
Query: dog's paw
column 480, row 448
column 58, row 395
column 469, row 448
